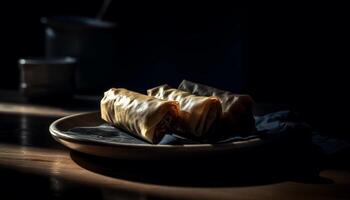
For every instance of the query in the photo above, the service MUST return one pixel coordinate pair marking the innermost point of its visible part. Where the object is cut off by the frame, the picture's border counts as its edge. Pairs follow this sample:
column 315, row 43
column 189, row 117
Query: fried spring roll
column 237, row 109
column 145, row 116
column 197, row 114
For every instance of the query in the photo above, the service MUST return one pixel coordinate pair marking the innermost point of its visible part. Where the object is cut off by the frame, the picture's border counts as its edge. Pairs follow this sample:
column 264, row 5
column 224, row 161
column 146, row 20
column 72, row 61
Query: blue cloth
column 268, row 126
column 282, row 126
column 277, row 125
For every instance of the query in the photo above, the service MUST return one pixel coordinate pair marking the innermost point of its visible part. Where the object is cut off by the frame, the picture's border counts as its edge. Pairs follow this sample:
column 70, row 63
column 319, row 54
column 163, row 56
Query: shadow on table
column 247, row 169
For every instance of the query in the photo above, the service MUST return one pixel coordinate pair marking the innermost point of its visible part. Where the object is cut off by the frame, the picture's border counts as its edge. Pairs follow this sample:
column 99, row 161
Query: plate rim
column 58, row 134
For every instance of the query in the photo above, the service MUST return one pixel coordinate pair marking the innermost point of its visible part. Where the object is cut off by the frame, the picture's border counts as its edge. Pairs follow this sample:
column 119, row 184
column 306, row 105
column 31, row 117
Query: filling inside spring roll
column 237, row 109
column 197, row 114
column 146, row 117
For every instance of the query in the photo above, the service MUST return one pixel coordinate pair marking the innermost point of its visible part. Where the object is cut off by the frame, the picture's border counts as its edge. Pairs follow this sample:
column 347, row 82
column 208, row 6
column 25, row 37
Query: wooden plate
column 134, row 151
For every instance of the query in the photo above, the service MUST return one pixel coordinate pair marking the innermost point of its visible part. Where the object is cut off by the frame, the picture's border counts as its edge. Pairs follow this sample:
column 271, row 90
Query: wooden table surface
column 33, row 165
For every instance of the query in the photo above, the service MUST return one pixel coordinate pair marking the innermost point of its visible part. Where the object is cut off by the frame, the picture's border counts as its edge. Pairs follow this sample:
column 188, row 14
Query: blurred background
column 279, row 54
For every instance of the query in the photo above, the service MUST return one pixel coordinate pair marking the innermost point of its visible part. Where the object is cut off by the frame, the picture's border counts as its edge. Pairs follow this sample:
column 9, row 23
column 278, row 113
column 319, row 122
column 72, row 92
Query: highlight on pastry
column 144, row 116
column 237, row 108
column 198, row 115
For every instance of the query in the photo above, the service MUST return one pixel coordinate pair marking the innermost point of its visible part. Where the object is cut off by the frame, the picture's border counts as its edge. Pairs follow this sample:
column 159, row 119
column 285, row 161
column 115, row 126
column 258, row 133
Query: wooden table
column 32, row 165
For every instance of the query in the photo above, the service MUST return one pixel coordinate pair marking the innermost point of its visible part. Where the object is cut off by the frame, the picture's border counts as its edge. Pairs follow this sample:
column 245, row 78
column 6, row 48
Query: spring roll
column 237, row 108
column 144, row 116
column 197, row 116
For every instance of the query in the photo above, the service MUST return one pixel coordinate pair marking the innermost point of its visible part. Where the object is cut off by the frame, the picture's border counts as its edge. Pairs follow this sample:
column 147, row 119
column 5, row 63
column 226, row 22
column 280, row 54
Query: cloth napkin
column 279, row 126
column 273, row 125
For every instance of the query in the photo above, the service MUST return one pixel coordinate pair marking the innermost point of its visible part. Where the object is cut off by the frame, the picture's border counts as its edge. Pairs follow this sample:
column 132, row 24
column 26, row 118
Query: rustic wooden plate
column 130, row 150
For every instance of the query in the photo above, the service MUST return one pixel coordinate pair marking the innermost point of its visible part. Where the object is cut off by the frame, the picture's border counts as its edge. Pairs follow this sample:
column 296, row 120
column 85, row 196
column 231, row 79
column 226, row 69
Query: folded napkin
column 283, row 124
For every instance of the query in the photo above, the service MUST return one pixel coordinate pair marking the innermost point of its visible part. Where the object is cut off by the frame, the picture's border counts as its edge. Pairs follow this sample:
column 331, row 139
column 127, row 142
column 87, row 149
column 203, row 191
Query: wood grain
column 58, row 163
column 36, row 110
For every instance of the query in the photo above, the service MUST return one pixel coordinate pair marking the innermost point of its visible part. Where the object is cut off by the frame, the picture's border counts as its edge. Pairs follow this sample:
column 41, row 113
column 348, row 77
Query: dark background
column 285, row 54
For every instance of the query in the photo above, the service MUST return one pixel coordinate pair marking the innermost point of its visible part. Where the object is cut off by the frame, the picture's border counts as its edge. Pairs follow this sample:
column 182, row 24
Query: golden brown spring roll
column 146, row 117
column 197, row 114
column 237, row 109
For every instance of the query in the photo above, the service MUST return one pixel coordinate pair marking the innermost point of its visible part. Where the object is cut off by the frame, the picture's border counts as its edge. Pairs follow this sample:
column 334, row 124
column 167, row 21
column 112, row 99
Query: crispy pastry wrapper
column 237, row 108
column 198, row 115
column 144, row 116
